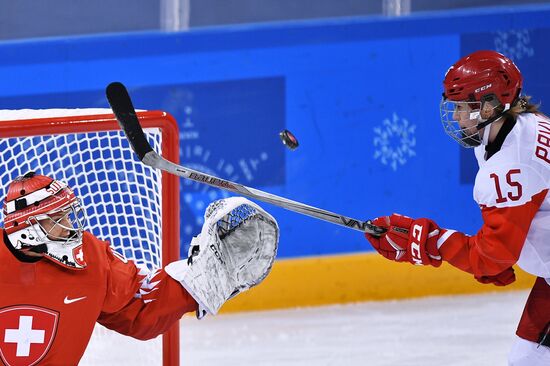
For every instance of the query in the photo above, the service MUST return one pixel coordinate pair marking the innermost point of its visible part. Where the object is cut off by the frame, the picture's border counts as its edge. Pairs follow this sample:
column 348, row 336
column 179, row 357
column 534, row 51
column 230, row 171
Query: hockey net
column 127, row 203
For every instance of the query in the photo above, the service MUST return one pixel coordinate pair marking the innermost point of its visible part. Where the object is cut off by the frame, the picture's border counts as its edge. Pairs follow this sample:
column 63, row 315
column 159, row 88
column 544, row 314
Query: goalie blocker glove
column 234, row 252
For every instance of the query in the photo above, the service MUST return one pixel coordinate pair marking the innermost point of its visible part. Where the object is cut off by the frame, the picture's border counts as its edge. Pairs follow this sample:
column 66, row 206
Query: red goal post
column 86, row 149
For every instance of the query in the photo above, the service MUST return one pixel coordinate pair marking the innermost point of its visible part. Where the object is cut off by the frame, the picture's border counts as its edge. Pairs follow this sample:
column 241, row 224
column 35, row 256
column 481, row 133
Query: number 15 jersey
column 511, row 189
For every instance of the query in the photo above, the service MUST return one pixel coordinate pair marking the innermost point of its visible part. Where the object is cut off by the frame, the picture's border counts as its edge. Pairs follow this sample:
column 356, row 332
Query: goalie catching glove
column 407, row 240
column 234, row 252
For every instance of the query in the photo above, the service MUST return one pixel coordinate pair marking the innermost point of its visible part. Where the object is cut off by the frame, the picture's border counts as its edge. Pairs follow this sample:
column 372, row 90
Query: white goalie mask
column 43, row 216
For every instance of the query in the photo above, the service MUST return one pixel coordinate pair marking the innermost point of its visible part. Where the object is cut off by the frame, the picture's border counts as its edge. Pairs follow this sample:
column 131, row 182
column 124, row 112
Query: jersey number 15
column 515, row 189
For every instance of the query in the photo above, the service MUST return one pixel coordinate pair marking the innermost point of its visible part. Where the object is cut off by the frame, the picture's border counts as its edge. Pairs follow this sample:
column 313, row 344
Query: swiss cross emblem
column 78, row 256
column 26, row 334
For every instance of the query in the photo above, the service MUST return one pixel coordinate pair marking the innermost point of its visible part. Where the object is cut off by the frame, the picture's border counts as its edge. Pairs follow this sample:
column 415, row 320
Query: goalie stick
column 124, row 111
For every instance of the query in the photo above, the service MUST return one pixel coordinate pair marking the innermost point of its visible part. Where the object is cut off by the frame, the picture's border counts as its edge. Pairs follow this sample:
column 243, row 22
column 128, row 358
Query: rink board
column 357, row 278
column 361, row 95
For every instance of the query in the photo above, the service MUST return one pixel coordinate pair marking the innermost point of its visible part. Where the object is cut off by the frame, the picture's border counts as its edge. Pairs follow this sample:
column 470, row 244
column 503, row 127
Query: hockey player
column 482, row 108
column 57, row 280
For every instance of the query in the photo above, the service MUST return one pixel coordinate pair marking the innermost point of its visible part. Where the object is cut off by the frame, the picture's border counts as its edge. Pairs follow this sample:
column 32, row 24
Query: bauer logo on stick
column 288, row 139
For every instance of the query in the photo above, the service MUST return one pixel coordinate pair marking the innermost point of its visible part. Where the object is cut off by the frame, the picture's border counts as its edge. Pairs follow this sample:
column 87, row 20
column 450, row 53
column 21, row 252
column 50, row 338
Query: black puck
column 288, row 139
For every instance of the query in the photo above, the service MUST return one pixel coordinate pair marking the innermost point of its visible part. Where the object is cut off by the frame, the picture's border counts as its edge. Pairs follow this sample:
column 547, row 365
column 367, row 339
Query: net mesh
column 121, row 196
column 122, row 199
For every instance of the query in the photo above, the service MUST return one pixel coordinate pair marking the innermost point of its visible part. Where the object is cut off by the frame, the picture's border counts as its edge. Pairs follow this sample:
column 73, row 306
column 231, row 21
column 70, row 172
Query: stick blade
column 124, row 111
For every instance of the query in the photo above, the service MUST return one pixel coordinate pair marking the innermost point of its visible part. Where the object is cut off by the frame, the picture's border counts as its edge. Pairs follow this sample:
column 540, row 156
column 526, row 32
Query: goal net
column 124, row 199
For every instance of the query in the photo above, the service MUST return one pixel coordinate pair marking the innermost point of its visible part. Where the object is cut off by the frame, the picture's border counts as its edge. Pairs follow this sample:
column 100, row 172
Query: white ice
column 452, row 330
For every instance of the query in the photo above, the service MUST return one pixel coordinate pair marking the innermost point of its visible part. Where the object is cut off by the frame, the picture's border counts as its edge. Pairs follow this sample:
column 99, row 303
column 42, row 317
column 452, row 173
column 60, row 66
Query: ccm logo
column 484, row 87
column 415, row 244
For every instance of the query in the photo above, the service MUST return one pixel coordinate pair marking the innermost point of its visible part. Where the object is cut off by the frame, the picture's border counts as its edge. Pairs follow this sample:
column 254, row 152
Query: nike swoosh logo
column 70, row 301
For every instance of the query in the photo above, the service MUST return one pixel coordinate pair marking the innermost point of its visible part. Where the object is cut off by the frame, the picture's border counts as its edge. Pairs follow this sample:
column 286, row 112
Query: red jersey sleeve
column 139, row 303
column 497, row 245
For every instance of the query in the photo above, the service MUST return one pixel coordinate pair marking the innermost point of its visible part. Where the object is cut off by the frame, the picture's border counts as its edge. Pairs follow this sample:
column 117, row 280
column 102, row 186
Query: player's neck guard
column 66, row 252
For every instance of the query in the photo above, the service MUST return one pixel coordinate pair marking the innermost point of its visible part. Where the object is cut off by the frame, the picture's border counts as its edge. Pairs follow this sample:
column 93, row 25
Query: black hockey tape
column 124, row 111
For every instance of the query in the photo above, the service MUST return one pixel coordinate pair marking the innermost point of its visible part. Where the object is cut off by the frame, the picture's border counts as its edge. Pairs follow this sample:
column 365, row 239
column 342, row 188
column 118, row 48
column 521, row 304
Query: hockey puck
column 288, row 139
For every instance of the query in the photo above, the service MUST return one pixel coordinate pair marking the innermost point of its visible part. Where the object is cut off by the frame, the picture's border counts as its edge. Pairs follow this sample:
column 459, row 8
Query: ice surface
column 458, row 330
column 453, row 330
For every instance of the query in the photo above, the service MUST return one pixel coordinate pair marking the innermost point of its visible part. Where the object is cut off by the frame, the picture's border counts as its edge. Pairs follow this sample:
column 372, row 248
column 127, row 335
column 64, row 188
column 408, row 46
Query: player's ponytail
column 522, row 105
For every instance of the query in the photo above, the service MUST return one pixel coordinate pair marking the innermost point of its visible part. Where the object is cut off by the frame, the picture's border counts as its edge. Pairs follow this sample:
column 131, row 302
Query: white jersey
column 513, row 183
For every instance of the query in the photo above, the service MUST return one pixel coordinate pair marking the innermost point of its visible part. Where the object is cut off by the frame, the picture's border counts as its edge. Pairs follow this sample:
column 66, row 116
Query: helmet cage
column 58, row 234
column 468, row 135
column 70, row 219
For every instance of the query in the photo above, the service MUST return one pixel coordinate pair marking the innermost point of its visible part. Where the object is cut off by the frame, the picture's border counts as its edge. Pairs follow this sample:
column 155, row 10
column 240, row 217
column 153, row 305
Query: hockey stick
column 122, row 107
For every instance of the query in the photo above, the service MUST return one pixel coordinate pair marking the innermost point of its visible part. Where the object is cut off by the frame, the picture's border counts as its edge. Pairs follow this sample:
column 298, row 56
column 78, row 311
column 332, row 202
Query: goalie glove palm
column 234, row 252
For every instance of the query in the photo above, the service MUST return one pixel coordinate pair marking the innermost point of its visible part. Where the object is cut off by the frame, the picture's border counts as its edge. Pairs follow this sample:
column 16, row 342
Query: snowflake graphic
column 394, row 141
column 515, row 44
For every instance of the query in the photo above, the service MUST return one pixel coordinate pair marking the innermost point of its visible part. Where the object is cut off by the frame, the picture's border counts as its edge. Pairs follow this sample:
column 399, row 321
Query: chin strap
column 487, row 122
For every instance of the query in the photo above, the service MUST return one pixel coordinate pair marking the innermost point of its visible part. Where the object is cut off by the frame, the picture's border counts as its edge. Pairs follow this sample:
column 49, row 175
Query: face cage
column 469, row 136
column 71, row 218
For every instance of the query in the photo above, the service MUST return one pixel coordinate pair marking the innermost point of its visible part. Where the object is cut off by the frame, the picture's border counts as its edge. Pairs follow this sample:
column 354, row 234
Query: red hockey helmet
column 43, row 215
column 478, row 89
column 482, row 73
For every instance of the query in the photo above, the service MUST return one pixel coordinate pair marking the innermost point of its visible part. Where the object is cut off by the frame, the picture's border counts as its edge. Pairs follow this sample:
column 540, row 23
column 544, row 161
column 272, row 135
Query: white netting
column 121, row 196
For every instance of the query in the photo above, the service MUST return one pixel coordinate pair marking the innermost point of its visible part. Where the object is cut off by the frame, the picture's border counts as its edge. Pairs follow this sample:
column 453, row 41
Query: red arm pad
column 497, row 245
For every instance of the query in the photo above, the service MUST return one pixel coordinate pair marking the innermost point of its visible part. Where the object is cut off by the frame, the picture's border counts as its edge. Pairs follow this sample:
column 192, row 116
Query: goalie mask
column 43, row 215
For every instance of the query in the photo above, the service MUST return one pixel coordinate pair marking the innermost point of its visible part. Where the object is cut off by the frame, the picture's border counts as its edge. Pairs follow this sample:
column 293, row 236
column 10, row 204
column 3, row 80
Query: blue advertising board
column 362, row 96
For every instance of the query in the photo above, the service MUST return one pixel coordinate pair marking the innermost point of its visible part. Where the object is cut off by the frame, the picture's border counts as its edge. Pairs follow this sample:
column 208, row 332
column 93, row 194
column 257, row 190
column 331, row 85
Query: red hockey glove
column 407, row 240
column 504, row 278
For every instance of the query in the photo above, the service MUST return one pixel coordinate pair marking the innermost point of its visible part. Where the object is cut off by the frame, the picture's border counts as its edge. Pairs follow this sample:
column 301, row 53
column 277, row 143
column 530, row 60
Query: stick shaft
column 154, row 160
column 124, row 111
